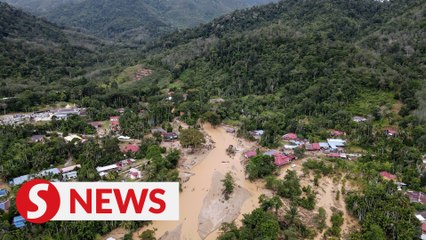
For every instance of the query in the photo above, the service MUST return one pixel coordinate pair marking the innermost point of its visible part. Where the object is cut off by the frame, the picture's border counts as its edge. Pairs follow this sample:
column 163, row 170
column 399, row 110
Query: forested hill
column 307, row 65
column 142, row 19
column 323, row 54
column 39, row 6
column 35, row 54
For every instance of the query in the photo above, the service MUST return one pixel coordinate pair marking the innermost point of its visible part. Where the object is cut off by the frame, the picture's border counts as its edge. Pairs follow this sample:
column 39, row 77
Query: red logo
column 38, row 201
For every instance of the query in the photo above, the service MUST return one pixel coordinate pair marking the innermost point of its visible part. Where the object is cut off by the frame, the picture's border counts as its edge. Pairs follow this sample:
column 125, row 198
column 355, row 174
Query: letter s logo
column 38, row 201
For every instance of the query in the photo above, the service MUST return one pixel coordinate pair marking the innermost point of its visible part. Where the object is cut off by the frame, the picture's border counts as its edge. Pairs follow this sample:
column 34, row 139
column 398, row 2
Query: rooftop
column 387, row 175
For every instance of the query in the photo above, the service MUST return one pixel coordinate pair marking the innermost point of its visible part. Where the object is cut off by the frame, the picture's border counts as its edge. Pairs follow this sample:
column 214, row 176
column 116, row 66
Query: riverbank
column 201, row 196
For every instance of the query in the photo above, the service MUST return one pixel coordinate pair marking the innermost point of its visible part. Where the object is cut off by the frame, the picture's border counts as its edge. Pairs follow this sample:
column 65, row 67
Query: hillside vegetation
column 40, row 6
column 139, row 20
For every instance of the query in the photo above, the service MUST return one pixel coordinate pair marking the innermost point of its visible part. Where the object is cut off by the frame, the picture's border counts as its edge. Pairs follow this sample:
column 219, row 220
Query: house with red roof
column 290, row 136
column 96, row 124
column 115, row 123
column 337, row 133
column 281, row 160
column 391, row 132
column 313, row 147
column 250, row 154
column 387, row 176
column 114, row 118
column 424, row 228
column 416, row 197
column 130, row 148
column 135, row 173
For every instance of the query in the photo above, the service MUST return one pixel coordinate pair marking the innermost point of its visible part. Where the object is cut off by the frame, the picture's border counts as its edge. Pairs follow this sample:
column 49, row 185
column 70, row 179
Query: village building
column 18, row 221
column 312, row 147
column 126, row 162
column 49, row 172
column 70, row 168
column 281, row 159
column 5, row 205
column 388, row 176
column 133, row 148
column 72, row 137
column 270, row 153
column 390, row 132
column 160, row 131
column 120, row 110
column 3, row 192
column 123, row 138
column 359, row 119
column 324, row 145
column 20, row 180
column 96, row 125
column 336, row 143
column 257, row 133
column 170, row 136
column 102, row 171
column 289, row 136
column 230, row 130
column 135, row 174
column 290, row 147
column 337, row 133
column 69, row 175
column 38, row 138
column 63, row 114
column 423, row 237
column 416, row 197
column 250, row 154
column 298, row 142
column 115, row 123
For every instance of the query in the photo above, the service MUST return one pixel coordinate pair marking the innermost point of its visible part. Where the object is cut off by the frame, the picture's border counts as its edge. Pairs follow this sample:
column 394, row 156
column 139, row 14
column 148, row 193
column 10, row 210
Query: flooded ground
column 202, row 206
column 201, row 189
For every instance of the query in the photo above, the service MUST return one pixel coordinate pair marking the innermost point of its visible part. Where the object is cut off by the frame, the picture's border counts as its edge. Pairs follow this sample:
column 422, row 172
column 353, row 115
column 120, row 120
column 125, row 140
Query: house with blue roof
column 5, row 205
column 271, row 153
column 49, row 172
column 336, row 143
column 19, row 221
column 20, row 180
column 3, row 192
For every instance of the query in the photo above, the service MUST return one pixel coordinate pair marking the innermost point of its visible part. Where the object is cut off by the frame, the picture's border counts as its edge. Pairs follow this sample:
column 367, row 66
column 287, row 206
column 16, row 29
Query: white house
column 335, row 143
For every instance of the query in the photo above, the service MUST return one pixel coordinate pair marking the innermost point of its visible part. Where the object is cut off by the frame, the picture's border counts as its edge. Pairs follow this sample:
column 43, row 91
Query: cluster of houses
column 42, row 116
column 167, row 136
column 18, row 221
column 333, row 147
column 4, row 200
column 66, row 174
column 280, row 158
column 332, row 144
column 413, row 196
column 132, row 174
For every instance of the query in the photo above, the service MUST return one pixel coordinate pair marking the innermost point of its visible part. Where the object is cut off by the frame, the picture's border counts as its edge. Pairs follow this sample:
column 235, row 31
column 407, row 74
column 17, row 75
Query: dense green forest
column 293, row 66
column 135, row 20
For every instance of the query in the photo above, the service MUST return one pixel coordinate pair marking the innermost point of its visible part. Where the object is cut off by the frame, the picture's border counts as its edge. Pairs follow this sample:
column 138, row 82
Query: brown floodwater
column 196, row 189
